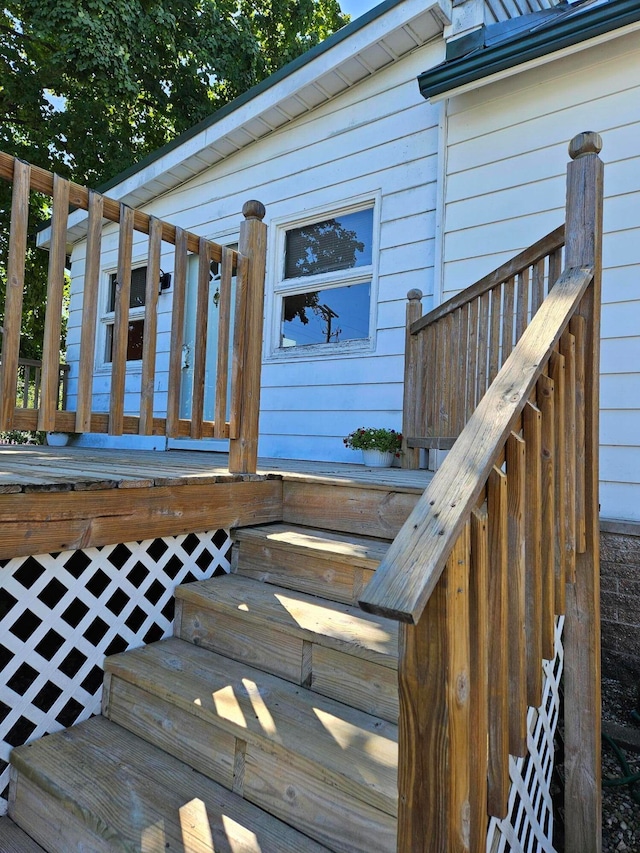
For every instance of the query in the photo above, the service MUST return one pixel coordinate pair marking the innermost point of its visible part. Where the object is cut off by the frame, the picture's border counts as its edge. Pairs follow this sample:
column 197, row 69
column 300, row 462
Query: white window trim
column 106, row 318
column 281, row 287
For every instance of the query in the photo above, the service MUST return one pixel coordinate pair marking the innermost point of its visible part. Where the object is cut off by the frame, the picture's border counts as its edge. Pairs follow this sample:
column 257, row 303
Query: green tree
column 89, row 87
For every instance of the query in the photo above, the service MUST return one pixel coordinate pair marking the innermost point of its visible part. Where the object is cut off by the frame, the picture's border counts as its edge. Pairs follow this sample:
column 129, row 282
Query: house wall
column 379, row 140
column 505, row 187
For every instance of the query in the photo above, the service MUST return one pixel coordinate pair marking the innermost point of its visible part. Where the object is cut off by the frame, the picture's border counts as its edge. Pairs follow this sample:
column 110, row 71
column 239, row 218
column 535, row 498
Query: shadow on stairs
column 267, row 724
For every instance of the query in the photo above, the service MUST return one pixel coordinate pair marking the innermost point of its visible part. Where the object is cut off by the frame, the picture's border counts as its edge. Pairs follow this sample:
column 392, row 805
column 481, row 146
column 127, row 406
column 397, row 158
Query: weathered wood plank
column 557, row 374
column 224, row 333
column 516, row 618
column 120, row 340
column 90, row 292
column 150, row 327
column 177, row 332
column 472, row 360
column 409, row 573
column 494, row 334
column 568, row 350
column 200, row 341
column 507, row 319
column 14, row 289
column 33, row 523
column 545, row 400
column 479, row 633
column 532, row 432
column 498, row 661
column 578, row 330
column 413, row 403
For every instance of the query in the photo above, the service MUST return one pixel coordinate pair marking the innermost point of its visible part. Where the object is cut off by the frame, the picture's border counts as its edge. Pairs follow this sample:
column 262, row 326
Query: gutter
column 529, row 46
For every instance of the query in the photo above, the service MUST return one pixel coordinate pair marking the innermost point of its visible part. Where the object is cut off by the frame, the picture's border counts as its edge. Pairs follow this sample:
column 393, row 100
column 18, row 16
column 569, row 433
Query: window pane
column 340, row 243
column 138, row 287
column 326, row 316
column 135, row 341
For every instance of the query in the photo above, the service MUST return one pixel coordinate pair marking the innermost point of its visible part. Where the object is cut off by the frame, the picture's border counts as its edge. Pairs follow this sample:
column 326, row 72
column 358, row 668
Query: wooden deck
column 59, row 499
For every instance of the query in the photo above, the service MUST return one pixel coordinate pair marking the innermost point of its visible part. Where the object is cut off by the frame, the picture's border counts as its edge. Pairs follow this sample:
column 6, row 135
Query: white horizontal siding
column 505, row 187
column 378, row 140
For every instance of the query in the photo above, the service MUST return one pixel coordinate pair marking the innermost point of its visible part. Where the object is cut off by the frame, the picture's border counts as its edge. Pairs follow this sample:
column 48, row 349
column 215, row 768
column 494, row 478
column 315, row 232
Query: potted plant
column 379, row 446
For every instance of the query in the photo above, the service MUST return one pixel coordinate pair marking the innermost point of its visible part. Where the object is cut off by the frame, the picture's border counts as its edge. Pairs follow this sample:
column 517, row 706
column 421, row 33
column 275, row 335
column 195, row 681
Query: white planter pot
column 57, row 439
column 377, row 459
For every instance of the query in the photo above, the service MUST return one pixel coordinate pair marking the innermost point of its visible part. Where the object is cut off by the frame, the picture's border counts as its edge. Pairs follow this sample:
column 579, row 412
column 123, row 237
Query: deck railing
column 505, row 538
column 29, row 379
column 242, row 344
column 455, row 351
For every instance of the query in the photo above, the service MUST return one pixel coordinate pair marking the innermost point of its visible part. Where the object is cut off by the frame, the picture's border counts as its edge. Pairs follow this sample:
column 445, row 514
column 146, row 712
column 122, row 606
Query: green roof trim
column 273, row 79
column 529, row 45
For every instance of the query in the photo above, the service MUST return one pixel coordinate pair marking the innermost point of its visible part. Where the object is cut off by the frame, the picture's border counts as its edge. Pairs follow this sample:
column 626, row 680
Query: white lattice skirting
column 528, row 826
column 60, row 614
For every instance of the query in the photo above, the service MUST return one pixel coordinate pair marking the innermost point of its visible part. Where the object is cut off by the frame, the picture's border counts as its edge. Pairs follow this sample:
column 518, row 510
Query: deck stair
column 267, row 723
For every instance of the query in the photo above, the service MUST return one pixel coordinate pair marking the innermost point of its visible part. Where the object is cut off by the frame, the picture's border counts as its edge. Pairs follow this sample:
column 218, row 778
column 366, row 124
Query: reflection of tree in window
column 322, row 247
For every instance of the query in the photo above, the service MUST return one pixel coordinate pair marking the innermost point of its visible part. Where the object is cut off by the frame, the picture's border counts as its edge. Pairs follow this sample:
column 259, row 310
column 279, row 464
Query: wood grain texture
column 568, row 350
column 413, row 402
column 36, row 523
column 545, row 400
column 516, row 618
column 90, row 290
column 224, row 334
column 557, row 374
column 120, row 338
column 51, row 344
column 14, row 288
column 200, row 341
column 407, row 577
column 150, row 327
column 14, row 840
column 360, row 683
column 177, row 332
column 498, row 659
column 578, row 330
column 583, row 793
column 479, row 631
column 532, row 433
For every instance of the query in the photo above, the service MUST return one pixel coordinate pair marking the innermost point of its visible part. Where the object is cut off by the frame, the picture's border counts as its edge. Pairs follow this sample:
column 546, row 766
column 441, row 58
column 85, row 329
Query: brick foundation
column 620, row 599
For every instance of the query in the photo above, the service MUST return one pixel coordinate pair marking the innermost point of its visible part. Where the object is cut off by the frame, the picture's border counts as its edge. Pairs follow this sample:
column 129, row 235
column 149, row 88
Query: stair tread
column 264, row 709
column 356, row 550
column 130, row 794
column 339, row 626
column 15, row 840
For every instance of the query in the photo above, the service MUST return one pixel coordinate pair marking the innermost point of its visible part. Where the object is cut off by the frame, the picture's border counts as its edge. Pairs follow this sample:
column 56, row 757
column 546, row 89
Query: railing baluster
column 516, row 495
column 483, row 345
column 453, row 375
column 556, row 365
column 177, row 333
column 224, row 331
column 532, row 431
column 89, row 313
column 545, row 398
column 428, row 355
column 479, row 632
column 577, row 328
column 523, row 303
column 200, row 342
column 498, row 776
column 494, row 342
column 50, row 383
column 13, row 293
column 472, row 359
column 507, row 318
column 413, row 403
column 537, row 285
column 568, row 350
column 25, row 385
column 239, row 345
column 152, row 287
column 555, row 268
column 120, row 340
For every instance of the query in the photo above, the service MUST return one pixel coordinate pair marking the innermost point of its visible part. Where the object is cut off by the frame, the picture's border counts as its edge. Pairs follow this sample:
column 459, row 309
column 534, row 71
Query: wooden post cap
column 253, row 210
column 587, row 142
column 414, row 294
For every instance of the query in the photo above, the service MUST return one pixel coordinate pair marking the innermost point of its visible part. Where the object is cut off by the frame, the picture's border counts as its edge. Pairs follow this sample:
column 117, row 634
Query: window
column 136, row 315
column 323, row 298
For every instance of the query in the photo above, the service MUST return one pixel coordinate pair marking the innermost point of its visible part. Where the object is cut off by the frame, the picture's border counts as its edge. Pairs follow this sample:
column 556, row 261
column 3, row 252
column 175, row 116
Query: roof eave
column 485, row 64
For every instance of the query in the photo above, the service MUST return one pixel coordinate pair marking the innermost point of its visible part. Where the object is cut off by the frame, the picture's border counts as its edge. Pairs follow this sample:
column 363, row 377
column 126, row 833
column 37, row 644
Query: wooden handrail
column 247, row 263
column 412, row 567
column 503, row 540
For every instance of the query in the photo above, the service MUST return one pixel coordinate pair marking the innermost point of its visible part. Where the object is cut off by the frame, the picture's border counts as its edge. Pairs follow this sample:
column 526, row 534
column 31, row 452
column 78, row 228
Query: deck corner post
column 412, row 400
column 243, row 448
column 583, row 791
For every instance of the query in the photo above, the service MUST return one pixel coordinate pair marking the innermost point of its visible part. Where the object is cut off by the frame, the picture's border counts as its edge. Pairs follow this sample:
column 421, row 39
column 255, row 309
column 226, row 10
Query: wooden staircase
column 267, row 723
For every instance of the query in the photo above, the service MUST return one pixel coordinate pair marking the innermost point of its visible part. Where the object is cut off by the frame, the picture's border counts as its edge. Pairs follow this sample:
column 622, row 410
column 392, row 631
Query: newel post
column 412, row 401
column 247, row 349
column 583, row 795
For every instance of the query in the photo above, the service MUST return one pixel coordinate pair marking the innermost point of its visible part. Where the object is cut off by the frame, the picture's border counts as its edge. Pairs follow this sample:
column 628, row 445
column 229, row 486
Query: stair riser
column 363, row 684
column 52, row 825
column 307, row 798
column 365, row 512
column 327, row 578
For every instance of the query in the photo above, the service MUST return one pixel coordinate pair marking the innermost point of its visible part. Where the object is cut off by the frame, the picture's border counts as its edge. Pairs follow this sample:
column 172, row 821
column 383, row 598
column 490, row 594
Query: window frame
column 283, row 287
column 106, row 318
